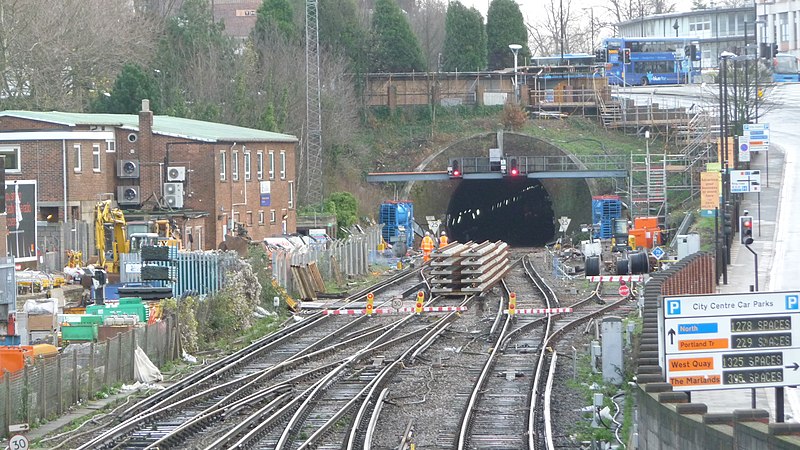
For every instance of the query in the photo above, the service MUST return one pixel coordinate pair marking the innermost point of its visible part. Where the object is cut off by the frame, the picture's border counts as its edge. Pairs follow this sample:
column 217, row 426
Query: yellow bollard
column 512, row 303
column 420, row 302
column 370, row 301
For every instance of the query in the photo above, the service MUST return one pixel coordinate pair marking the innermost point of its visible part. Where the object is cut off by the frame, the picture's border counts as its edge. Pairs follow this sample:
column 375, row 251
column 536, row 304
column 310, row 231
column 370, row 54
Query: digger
column 110, row 235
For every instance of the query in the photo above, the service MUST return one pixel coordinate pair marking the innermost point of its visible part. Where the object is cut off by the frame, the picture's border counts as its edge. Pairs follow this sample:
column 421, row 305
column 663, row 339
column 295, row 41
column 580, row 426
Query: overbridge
column 533, row 167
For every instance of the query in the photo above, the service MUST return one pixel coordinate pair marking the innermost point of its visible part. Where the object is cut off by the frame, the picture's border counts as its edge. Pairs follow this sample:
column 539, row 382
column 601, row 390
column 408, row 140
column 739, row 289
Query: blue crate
column 394, row 215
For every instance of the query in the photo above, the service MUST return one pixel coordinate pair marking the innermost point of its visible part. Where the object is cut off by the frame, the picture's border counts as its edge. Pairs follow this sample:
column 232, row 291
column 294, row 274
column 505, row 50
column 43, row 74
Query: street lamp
column 515, row 49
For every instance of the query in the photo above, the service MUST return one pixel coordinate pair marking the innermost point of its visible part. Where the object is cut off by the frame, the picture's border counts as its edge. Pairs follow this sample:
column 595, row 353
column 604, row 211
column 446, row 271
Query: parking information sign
column 732, row 341
column 756, row 135
column 743, row 181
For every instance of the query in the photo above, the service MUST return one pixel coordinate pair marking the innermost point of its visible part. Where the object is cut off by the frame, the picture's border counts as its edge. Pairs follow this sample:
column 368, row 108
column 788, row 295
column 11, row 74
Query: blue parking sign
column 673, row 307
column 792, row 302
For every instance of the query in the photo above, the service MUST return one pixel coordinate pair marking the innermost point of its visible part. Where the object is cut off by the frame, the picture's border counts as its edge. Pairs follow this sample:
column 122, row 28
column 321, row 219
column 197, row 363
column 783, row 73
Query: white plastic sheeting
column 144, row 369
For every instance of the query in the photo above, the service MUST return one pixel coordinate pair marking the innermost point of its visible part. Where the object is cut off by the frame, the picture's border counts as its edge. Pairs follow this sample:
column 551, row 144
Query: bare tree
column 54, row 54
column 623, row 10
column 427, row 22
column 547, row 35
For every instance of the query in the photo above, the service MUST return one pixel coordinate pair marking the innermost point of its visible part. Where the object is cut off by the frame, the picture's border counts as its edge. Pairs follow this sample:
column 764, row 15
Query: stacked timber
column 308, row 281
column 468, row 269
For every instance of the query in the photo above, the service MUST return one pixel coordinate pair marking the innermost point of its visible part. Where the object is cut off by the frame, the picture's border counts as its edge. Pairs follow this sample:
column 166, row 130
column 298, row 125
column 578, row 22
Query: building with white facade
column 716, row 29
column 779, row 22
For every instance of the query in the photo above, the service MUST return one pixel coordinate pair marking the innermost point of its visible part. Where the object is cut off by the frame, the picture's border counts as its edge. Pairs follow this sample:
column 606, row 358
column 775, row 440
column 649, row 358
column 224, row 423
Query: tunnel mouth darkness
column 517, row 211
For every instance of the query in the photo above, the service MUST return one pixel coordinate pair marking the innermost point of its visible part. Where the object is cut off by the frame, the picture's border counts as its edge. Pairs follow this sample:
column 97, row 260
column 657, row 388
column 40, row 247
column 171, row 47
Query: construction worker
column 427, row 247
column 443, row 240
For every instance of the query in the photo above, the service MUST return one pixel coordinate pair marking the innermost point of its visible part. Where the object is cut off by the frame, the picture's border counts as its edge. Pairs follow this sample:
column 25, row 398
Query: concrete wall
column 666, row 419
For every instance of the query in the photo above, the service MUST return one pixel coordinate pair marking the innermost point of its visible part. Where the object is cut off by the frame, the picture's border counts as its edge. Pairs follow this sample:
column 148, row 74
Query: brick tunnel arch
column 520, row 211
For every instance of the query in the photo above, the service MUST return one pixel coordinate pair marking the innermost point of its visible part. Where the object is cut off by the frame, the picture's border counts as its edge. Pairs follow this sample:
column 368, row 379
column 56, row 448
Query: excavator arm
column 106, row 216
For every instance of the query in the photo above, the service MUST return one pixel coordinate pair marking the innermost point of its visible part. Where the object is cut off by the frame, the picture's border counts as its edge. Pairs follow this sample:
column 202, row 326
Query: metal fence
column 336, row 259
column 8, row 284
column 202, row 272
column 47, row 388
column 55, row 239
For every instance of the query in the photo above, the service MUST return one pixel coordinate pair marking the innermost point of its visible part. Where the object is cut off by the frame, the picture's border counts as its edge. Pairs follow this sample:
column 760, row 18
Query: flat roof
column 196, row 130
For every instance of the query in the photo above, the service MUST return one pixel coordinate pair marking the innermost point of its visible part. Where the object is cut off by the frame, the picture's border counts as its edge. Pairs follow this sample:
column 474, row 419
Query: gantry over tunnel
column 482, row 198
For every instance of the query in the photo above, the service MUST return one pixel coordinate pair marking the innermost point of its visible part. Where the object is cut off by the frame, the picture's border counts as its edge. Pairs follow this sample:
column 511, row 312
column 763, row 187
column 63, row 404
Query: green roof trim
column 196, row 130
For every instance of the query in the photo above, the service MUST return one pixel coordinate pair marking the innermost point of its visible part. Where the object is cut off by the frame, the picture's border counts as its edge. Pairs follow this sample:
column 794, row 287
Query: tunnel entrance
column 516, row 211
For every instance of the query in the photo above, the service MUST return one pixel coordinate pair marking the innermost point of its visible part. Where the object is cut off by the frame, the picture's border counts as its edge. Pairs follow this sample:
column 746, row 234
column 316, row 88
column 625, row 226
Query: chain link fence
column 48, row 387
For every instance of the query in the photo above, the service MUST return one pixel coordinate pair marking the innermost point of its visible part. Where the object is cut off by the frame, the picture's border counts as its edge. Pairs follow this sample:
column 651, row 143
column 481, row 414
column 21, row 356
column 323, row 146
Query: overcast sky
column 530, row 8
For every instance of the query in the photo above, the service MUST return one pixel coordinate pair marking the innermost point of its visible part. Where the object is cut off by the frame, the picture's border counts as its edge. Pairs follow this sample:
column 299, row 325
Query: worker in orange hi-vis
column 427, row 246
column 443, row 240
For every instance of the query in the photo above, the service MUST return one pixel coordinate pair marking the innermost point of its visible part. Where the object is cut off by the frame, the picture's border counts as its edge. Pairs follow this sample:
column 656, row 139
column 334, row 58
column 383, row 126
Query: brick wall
column 203, row 189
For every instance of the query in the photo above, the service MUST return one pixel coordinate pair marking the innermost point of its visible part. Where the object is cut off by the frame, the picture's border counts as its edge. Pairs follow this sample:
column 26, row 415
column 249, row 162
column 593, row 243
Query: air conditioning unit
column 176, row 173
column 128, row 168
column 129, row 196
column 173, row 194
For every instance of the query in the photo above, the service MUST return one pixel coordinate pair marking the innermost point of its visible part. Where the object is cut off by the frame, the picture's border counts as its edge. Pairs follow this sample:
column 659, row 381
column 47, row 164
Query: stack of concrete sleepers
column 466, row 269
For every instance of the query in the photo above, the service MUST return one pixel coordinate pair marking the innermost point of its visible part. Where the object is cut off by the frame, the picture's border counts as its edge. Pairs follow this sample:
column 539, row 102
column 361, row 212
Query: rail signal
column 746, row 229
column 512, row 303
column 514, row 171
column 370, row 303
column 454, row 169
column 420, row 302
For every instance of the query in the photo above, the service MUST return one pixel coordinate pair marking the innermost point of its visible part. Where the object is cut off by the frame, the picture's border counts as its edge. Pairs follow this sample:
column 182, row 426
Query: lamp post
column 515, row 49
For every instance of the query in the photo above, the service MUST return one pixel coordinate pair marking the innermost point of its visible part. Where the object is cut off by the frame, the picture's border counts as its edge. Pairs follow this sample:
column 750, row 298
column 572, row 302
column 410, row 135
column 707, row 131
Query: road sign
column 624, row 291
column 658, row 252
column 732, row 341
column 18, row 442
column 757, row 136
column 563, row 223
column 743, row 181
column 19, row 427
column 744, row 150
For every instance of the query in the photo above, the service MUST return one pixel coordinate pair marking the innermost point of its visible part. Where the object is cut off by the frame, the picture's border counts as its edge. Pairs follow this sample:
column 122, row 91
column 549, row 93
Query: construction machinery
column 110, row 235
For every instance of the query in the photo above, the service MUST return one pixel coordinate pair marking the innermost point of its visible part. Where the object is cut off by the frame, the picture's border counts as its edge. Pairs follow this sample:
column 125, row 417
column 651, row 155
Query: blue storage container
column 9, row 340
column 397, row 218
column 605, row 209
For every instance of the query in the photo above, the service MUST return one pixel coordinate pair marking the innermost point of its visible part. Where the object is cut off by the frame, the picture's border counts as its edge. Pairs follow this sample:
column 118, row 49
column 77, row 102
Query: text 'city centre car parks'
column 731, row 341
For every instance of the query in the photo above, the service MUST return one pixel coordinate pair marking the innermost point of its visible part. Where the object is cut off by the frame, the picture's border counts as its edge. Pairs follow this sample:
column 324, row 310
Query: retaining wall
column 666, row 418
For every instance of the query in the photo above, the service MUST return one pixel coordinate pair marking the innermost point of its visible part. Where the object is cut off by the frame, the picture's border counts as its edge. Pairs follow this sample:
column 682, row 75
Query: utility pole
column 312, row 160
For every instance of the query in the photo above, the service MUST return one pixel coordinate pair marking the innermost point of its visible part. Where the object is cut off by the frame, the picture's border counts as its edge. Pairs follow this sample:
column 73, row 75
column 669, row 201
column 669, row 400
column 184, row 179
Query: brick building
column 209, row 178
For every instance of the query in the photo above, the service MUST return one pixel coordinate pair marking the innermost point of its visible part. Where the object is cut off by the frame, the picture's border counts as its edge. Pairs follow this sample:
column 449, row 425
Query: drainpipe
column 64, row 174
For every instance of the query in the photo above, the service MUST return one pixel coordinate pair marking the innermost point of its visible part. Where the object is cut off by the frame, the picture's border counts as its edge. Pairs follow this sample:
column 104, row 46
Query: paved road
column 777, row 233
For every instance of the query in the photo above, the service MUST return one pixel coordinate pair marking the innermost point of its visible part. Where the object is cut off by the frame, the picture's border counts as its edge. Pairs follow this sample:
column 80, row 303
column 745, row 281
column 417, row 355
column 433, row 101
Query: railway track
column 192, row 405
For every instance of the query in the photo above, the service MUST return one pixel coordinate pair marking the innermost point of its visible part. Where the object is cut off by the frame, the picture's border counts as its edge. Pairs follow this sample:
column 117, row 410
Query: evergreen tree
column 504, row 26
column 275, row 15
column 131, row 86
column 699, row 4
column 395, row 47
column 465, row 40
column 341, row 32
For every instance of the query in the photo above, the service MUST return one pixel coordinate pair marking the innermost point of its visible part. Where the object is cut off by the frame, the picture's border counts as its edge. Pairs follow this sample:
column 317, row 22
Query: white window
column 271, row 166
column 260, row 165
column 247, row 166
column 235, row 166
column 223, row 162
column 273, row 217
column 283, row 165
column 111, row 146
column 261, row 217
column 291, row 195
column 96, row 157
column 76, row 157
column 11, row 156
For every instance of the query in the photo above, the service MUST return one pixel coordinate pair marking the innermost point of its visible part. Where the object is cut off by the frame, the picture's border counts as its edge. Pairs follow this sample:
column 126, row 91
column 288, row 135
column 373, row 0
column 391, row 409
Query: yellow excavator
column 110, row 235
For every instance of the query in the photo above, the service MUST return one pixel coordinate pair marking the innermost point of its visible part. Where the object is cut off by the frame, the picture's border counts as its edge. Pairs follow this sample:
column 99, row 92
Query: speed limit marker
column 18, row 442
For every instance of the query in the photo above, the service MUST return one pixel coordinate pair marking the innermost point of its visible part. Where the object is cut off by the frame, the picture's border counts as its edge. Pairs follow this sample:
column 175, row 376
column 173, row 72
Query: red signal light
column 514, row 172
column 456, row 173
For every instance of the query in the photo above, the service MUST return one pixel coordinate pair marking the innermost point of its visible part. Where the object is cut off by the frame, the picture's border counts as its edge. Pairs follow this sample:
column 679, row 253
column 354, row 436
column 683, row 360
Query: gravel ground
column 430, row 394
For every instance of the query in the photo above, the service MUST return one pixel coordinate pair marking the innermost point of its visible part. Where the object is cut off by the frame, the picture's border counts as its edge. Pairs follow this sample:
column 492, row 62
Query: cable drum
column 640, row 263
column 592, row 267
column 622, row 267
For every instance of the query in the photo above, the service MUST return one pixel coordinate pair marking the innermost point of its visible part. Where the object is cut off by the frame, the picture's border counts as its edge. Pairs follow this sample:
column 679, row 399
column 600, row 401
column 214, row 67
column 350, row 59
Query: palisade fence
column 335, row 259
column 51, row 385
column 201, row 272
column 55, row 239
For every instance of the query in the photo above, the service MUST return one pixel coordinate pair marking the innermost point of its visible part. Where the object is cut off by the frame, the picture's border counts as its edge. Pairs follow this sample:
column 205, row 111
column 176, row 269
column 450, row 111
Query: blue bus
column 785, row 68
column 644, row 61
